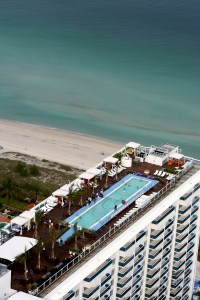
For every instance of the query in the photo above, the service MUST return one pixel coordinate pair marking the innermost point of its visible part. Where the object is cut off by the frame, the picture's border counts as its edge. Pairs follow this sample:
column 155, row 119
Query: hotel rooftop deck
column 66, row 264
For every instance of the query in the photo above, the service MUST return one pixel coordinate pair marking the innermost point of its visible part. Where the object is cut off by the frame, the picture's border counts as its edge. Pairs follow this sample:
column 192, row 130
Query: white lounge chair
column 156, row 172
column 159, row 173
column 163, row 174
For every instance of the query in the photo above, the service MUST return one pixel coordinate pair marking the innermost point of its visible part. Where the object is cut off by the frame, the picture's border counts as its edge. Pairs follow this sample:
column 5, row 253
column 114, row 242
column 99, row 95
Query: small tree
column 81, row 193
column 77, row 233
column 39, row 248
column 8, row 187
column 22, row 259
column 38, row 216
column 54, row 234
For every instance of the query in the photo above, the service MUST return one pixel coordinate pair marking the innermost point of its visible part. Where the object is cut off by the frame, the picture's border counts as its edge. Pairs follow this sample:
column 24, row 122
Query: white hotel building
column 152, row 256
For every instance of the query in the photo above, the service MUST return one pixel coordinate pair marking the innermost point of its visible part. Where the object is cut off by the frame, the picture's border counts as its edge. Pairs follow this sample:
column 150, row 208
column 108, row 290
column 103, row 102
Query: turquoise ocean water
column 123, row 70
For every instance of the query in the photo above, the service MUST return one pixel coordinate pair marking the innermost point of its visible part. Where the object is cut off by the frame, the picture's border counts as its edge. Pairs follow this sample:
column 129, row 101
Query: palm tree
column 81, row 193
column 54, row 234
column 22, row 259
column 77, row 233
column 39, row 247
column 198, row 295
column 71, row 197
column 38, row 216
column 108, row 167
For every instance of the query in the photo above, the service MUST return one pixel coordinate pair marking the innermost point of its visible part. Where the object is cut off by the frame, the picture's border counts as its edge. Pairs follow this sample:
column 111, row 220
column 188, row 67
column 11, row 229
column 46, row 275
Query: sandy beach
column 56, row 145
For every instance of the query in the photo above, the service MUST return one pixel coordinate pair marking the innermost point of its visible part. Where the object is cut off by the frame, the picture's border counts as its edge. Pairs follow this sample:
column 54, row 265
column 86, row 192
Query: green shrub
column 34, row 170
column 21, row 169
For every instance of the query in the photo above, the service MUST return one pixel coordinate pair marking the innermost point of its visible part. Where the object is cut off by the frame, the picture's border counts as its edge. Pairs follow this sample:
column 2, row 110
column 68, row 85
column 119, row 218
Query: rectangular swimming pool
column 115, row 199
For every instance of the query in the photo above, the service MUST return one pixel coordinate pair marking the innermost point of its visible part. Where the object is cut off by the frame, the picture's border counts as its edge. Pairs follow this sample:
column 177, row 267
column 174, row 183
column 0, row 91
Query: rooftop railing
column 108, row 234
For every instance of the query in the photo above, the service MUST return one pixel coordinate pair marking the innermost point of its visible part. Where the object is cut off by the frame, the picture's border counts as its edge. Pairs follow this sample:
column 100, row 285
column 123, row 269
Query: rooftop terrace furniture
column 156, row 172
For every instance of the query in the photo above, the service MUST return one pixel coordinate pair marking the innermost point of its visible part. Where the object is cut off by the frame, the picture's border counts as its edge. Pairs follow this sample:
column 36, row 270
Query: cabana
column 178, row 158
column 52, row 201
column 60, row 194
column 134, row 146
column 16, row 246
column 20, row 222
column 110, row 159
column 29, row 215
column 94, row 171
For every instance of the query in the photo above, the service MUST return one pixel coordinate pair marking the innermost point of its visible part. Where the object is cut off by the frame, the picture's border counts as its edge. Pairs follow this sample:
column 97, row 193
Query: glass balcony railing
column 123, row 293
column 176, row 275
column 181, row 228
column 127, row 246
column 90, row 291
column 155, row 244
column 178, row 257
column 124, row 271
column 105, row 290
column 125, row 260
column 156, row 233
column 70, row 295
column 181, row 237
column 183, row 209
column 151, row 274
column 161, row 218
column 153, row 263
column 140, row 235
column 184, row 219
column 151, row 283
column 124, row 281
column 154, row 254
column 135, row 291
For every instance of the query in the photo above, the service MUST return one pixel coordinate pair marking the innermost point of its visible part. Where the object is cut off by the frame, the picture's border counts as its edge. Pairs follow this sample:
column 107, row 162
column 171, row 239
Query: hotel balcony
column 169, row 231
column 193, row 219
column 180, row 247
column 163, row 217
column 186, row 289
column 164, row 272
column 187, row 280
column 195, row 200
column 153, row 263
column 121, row 293
column 151, row 292
column 104, row 290
column 169, row 223
column 134, row 291
column 151, row 282
column 181, row 237
column 166, row 252
column 194, row 209
column 178, row 265
column 140, row 235
column 70, row 295
column 165, row 261
column 181, row 228
column 184, row 209
column 176, row 291
column 127, row 246
column 105, row 278
column 191, row 246
column 162, row 290
column 192, row 228
column 152, row 273
column 156, row 233
column 139, row 249
column 156, row 243
column 167, row 243
column 124, row 271
column 184, row 219
column 177, row 257
column 94, row 274
column 136, row 280
column 90, row 291
column 176, row 275
column 191, row 237
column 176, row 283
column 125, row 260
column 139, row 269
column 155, row 253
column 123, row 281
column 140, row 258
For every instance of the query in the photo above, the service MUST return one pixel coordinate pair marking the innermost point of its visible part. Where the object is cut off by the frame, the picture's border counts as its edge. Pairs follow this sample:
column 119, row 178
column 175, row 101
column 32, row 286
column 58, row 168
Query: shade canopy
column 133, row 145
column 176, row 155
column 19, row 221
column 111, row 159
column 28, row 214
column 86, row 176
column 23, row 296
column 16, row 246
column 94, row 171
column 60, row 192
column 52, row 198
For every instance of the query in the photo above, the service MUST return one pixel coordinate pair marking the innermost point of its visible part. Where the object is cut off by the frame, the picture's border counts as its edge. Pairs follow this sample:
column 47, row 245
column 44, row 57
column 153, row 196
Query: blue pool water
column 102, row 210
column 126, row 190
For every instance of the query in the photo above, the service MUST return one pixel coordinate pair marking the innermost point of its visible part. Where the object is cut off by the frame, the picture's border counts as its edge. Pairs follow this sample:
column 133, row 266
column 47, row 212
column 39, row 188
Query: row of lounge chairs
column 125, row 217
column 159, row 173
column 115, row 170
